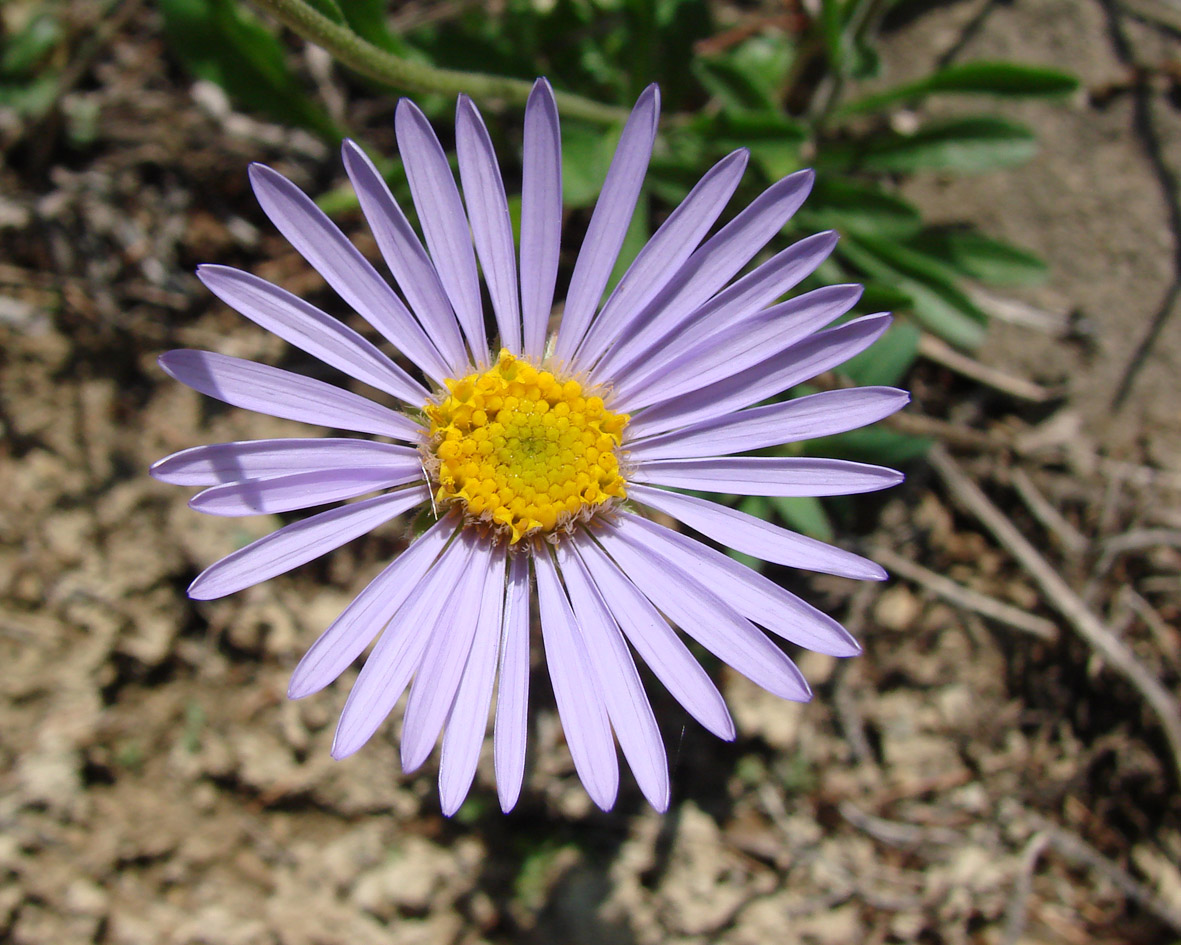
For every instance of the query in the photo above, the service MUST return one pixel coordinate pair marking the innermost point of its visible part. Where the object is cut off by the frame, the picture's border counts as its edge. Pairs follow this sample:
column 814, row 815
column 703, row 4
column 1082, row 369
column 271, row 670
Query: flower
column 537, row 454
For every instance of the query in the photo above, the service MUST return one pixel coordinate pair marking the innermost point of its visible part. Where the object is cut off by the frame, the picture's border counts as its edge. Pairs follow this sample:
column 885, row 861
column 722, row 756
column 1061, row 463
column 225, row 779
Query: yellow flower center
column 523, row 451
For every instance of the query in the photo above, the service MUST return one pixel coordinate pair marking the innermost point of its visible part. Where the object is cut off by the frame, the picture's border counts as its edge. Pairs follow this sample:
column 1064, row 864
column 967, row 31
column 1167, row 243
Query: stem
column 367, row 59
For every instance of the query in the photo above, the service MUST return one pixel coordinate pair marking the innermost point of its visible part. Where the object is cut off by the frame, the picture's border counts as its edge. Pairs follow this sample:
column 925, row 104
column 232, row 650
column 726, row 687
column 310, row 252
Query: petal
column 716, row 263
column 260, row 459
column 711, row 620
column 369, row 612
column 768, row 475
column 754, row 596
column 609, row 223
column 755, row 537
column 280, row 393
column 321, row 243
column 407, row 260
column 383, row 678
column 623, row 694
column 656, row 642
column 300, row 490
column 733, row 304
column 799, row 363
column 443, row 222
column 487, row 207
column 311, row 330
column 469, row 715
column 739, row 347
column 437, row 678
column 805, row 418
column 301, row 542
column 512, row 691
column 541, row 214
column 660, row 260
column 580, row 703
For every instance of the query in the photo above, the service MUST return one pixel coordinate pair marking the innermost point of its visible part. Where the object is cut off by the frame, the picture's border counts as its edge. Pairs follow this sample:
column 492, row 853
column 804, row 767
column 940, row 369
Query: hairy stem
column 367, row 59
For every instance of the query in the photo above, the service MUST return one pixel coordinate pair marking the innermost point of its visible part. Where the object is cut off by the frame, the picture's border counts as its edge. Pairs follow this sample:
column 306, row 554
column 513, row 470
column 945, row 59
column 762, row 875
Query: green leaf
column 878, row 296
column 805, row 514
column 967, row 145
column 22, row 52
column 937, row 303
column 221, row 43
column 1008, row 79
column 749, row 77
column 980, row 257
column 586, row 156
column 887, row 362
column 832, row 29
column 872, row 444
column 848, row 206
column 330, row 9
column 367, row 18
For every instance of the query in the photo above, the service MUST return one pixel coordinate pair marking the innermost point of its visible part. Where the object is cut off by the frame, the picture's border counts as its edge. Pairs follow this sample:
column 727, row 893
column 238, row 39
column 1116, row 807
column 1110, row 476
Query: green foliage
column 222, row 42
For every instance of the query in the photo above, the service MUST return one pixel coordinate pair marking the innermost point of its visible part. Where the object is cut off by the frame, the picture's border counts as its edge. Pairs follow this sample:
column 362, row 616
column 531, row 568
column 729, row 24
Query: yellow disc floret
column 523, row 450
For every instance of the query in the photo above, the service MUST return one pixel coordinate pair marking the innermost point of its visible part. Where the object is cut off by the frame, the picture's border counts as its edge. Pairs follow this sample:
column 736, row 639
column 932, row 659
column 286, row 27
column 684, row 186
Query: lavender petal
column 262, row 459
column 397, row 655
column 815, row 355
column 406, row 259
column 609, row 223
column 541, row 215
column 805, row 418
column 280, row 393
column 623, row 694
column 370, row 611
column 492, row 229
column 512, row 691
column 330, row 253
column 440, row 213
column 768, row 475
column 580, row 703
column 300, row 542
column 300, row 490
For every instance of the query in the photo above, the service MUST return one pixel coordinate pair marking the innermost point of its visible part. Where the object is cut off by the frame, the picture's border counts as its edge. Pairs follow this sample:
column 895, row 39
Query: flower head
column 540, row 455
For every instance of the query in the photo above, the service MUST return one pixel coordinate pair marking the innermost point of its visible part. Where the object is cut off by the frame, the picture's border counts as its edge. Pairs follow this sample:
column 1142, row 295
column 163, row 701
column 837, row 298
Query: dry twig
column 1081, row 853
column 1039, row 506
column 1017, row 912
column 941, row 352
column 966, row 597
column 1064, row 599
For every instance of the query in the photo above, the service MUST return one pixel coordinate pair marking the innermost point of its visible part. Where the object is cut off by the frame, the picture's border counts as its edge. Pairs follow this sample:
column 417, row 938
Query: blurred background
column 1001, row 766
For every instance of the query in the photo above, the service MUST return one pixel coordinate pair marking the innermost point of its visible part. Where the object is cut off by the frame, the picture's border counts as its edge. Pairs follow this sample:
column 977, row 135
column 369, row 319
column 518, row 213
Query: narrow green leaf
column 586, row 156
column 936, row 303
column 1007, row 79
column 967, row 145
column 875, row 444
column 805, row 514
column 888, row 361
column 848, row 206
column 980, row 257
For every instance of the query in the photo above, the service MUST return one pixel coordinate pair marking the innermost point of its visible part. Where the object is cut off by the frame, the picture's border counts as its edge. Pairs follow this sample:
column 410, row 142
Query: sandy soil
column 966, row 780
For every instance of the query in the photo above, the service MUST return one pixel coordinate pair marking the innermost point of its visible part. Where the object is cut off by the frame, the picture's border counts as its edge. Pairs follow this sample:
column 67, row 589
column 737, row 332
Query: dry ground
column 981, row 774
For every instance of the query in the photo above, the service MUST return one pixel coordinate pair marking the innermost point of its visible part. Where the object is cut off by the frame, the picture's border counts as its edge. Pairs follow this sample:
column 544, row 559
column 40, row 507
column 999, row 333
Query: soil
column 966, row 780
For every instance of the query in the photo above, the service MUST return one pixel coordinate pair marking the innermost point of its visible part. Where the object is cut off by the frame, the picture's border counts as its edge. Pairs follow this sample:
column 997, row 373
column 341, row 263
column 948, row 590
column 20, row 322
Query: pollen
column 523, row 450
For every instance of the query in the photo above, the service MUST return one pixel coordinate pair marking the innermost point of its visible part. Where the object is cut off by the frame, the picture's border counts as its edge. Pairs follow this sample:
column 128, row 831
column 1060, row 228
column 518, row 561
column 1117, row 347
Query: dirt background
column 979, row 775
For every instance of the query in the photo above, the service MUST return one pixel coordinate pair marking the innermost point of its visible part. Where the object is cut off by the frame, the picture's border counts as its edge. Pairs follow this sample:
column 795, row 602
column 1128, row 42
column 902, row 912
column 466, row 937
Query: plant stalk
column 367, row 59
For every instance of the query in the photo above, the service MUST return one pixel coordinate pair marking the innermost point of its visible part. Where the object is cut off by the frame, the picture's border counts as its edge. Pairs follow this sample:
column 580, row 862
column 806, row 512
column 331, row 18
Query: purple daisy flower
column 538, row 456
